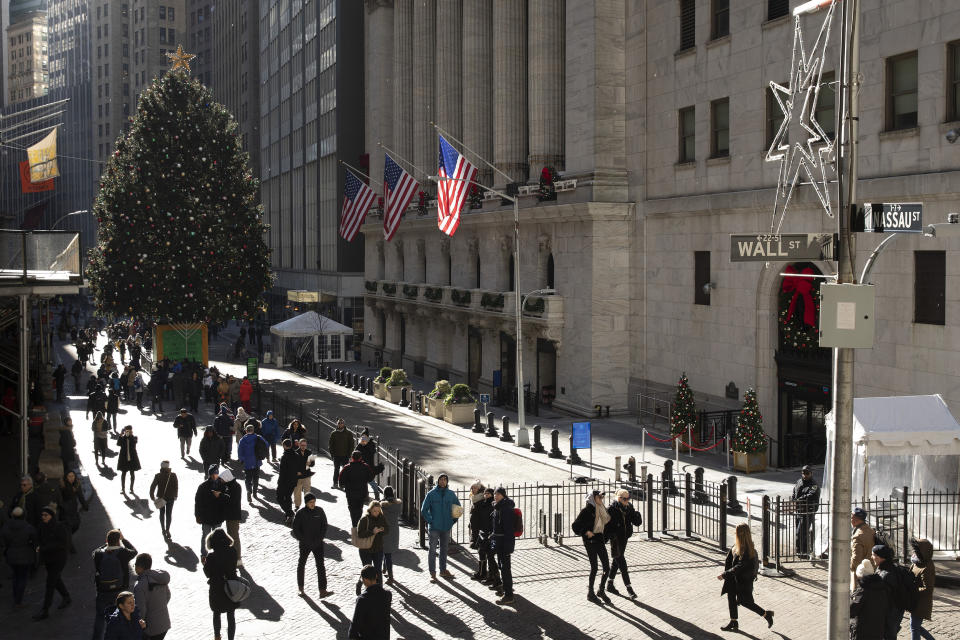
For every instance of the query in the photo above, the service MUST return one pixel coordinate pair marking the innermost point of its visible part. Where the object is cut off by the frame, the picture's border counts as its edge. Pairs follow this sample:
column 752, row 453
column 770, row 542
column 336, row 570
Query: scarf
column 601, row 519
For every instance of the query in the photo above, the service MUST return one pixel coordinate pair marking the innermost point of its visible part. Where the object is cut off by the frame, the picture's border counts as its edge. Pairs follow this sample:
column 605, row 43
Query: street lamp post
column 67, row 215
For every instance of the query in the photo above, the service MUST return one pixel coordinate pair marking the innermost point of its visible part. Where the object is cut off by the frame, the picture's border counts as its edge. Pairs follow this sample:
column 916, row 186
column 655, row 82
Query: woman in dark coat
column 71, row 500
column 739, row 572
column 125, row 622
column 19, row 541
column 391, row 506
column 212, row 449
column 922, row 567
column 53, row 541
column 868, row 604
column 481, row 523
column 590, row 525
column 128, row 460
column 375, row 524
column 219, row 565
column 623, row 518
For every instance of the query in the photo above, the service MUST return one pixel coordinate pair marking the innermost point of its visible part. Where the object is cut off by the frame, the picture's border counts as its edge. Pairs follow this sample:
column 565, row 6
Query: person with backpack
column 220, row 564
column 112, row 576
column 186, row 426
column 438, row 512
column 164, row 491
column 590, row 525
column 861, row 543
column 212, row 449
column 232, row 511
column 506, row 529
column 252, row 450
column 481, row 526
column 623, row 518
column 53, row 545
column 900, row 582
column 152, row 593
column 270, row 430
column 739, row 572
column 868, row 604
column 353, row 479
column 924, row 572
column 310, row 528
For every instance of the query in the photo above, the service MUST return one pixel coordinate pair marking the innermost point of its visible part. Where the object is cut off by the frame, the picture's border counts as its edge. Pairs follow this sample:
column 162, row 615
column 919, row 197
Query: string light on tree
column 749, row 436
column 684, row 414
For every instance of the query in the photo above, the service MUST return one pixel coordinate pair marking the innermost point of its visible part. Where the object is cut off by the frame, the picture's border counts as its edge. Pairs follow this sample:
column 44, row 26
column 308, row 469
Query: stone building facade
column 658, row 116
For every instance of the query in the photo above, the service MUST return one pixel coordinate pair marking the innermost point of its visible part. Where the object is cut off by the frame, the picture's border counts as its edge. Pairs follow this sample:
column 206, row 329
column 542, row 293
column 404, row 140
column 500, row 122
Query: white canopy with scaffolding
column 326, row 336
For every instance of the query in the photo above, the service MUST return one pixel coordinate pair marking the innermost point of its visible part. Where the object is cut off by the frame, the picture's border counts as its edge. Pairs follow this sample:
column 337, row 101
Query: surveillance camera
column 953, row 218
column 952, row 135
column 706, row 288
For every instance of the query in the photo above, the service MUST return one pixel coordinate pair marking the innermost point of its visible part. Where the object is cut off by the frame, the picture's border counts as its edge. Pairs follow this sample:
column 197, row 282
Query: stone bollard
column 403, row 397
column 491, row 427
column 505, row 422
column 555, row 445
column 537, row 446
column 733, row 505
column 477, row 426
column 699, row 495
column 574, row 457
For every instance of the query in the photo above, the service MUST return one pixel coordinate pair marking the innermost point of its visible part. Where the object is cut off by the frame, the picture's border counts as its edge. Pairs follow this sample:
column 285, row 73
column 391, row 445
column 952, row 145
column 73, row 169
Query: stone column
column 424, row 84
column 403, row 78
column 546, row 84
column 449, row 90
column 477, row 76
column 378, row 79
column 510, row 89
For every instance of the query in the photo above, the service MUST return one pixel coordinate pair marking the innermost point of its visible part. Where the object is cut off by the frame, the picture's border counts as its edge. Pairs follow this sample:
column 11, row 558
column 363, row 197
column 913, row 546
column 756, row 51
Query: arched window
column 550, row 282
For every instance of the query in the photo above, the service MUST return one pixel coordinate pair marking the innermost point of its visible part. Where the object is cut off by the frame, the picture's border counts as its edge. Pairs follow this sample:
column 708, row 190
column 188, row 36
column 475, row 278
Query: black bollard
column 417, row 401
column 506, row 437
column 666, row 478
column 733, row 505
column 555, row 445
column 356, row 382
column 537, row 446
column 477, row 427
column 403, row 397
column 574, row 457
column 363, row 384
column 370, row 386
column 699, row 495
column 491, row 427
column 329, row 373
column 338, row 376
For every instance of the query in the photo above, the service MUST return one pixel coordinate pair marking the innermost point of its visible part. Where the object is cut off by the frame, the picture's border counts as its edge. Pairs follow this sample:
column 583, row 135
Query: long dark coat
column 128, row 459
column 868, row 608
column 221, row 564
column 738, row 576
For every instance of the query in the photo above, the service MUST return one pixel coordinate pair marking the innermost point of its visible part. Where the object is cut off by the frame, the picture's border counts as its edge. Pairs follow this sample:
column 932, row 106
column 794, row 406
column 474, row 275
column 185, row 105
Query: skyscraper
column 26, row 42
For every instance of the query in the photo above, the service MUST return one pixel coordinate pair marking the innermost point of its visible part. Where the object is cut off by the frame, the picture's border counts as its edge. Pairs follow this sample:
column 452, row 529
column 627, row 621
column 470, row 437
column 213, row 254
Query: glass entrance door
column 803, row 435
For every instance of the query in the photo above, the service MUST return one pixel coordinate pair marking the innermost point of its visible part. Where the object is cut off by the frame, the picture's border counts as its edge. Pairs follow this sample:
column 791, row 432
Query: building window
column 688, row 137
column 720, row 128
column 720, row 19
column 125, row 30
column 929, row 287
column 163, row 13
column 701, row 277
column 171, row 35
column 826, row 112
column 953, row 80
column 163, row 34
column 688, row 24
column 774, row 118
column 777, row 8
column 170, row 14
column 902, row 91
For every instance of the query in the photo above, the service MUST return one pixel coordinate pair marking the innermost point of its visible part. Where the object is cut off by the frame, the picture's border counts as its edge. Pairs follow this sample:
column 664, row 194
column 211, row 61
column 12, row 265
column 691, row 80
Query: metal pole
column 838, row 594
column 643, row 445
column 24, row 379
column 519, row 310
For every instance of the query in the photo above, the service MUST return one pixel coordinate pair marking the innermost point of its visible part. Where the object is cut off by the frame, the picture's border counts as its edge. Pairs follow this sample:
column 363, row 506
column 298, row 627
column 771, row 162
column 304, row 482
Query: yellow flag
column 43, row 158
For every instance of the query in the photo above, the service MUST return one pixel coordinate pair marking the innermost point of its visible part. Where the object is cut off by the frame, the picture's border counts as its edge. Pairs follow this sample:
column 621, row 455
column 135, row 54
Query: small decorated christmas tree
column 684, row 413
column 749, row 436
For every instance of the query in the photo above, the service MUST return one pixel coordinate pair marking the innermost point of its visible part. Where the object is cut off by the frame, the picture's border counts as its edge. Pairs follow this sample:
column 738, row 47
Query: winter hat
column 49, row 510
column 214, row 470
column 17, row 512
column 227, row 475
column 270, row 412
column 501, row 491
column 865, row 568
column 443, row 475
column 860, row 513
column 165, row 464
column 883, row 551
column 364, row 439
column 309, row 497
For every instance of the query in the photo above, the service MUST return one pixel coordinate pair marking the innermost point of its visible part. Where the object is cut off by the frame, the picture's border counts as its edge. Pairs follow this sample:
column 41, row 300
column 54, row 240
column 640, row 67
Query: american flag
column 398, row 190
column 452, row 192
column 357, row 198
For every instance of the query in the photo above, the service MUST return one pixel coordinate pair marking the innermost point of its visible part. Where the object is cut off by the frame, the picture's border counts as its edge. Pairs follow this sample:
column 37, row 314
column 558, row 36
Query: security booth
column 312, row 336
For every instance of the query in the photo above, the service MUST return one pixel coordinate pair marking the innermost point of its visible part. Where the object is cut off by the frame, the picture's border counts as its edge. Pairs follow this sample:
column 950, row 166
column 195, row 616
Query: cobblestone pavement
column 676, row 580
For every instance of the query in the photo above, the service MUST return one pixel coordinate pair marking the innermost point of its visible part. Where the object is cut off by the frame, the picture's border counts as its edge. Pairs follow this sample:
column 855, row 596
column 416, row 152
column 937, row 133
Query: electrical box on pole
column 847, row 315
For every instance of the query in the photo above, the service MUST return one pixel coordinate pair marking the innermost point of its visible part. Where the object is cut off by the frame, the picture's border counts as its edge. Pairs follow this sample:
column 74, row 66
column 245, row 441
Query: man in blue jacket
column 251, row 450
column 437, row 511
column 270, row 430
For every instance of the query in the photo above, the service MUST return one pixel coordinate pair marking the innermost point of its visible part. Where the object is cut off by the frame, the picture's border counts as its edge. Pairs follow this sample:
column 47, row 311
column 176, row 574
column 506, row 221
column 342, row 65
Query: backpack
column 907, row 592
column 882, row 537
column 517, row 523
column 111, row 572
column 260, row 449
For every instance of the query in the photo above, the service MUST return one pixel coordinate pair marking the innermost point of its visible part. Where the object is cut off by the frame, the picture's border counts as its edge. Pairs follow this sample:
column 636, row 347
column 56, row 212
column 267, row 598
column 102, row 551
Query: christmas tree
column 684, row 413
column 749, row 436
column 180, row 230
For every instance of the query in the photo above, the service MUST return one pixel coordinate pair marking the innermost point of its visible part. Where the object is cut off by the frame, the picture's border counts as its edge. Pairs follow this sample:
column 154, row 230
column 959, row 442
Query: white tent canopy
column 327, row 336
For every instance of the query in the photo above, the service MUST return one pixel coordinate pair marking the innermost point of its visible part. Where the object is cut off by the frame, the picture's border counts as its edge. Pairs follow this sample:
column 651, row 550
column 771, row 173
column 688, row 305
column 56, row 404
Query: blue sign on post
column 581, row 435
column 484, row 398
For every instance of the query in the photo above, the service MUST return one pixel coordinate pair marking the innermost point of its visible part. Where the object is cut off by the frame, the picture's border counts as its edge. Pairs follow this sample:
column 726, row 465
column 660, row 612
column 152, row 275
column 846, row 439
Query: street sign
column 784, row 247
column 890, row 217
column 484, row 398
column 581, row 435
column 253, row 370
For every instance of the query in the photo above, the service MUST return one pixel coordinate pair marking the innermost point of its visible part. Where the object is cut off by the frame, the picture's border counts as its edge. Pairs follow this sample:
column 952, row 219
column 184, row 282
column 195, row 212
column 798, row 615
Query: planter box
column 459, row 413
column 379, row 390
column 435, row 407
column 750, row 462
column 392, row 394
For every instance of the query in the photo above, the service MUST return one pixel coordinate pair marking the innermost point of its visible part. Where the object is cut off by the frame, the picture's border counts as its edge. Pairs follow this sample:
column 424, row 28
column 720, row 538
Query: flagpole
column 396, row 156
column 355, row 170
column 466, row 148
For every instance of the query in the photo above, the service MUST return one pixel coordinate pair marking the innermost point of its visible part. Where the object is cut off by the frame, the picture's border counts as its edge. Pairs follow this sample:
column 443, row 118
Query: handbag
column 237, row 589
column 456, row 511
column 161, row 502
column 361, row 543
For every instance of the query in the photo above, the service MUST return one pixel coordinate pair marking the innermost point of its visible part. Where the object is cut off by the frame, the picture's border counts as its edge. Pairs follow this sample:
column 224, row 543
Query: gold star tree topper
column 180, row 59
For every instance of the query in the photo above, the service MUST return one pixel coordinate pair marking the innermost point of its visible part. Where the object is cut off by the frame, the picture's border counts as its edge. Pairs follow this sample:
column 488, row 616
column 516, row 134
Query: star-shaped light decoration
column 180, row 59
column 799, row 102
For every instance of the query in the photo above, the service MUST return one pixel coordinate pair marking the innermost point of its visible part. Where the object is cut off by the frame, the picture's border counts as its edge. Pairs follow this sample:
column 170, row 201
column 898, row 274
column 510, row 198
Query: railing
column 40, row 256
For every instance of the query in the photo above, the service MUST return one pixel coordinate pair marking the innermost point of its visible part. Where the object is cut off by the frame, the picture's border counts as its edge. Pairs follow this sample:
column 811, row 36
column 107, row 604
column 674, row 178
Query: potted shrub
column 459, row 405
column 460, row 297
column 395, row 383
column 435, row 399
column 492, row 301
column 380, row 383
column 749, row 440
column 433, row 294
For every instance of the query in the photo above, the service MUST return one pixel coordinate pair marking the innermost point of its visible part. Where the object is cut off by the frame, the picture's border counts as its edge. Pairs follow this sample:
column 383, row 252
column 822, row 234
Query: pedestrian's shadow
column 260, row 603
column 139, row 508
column 407, row 559
column 269, row 512
column 182, row 557
column 193, row 464
column 435, row 617
column 336, row 533
column 107, row 472
column 683, row 626
column 335, row 618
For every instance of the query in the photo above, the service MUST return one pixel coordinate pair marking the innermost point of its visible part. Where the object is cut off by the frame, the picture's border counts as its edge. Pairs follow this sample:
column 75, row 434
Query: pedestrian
column 310, row 529
column 101, row 430
column 219, row 565
column 270, row 430
column 887, row 569
column 590, row 525
column 806, row 503
column 438, row 512
column 48, row 493
column 251, row 451
column 186, row 426
column 223, row 425
column 75, row 371
column 112, row 576
column 68, row 444
column 158, row 379
column 245, row 393
column 138, row 387
column 390, row 506
column 71, row 502
column 26, row 499
column 374, row 524
column 861, row 543
column 239, row 422
column 481, row 528
column 368, row 449
column 194, row 388
column 164, row 491
column 923, row 568
column 209, row 505
column 340, row 448
column 504, row 542
column 234, row 393
column 371, row 616
column 868, row 604
column 128, row 460
column 58, row 376
column 354, row 478
column 53, row 545
column 19, row 541
column 211, row 449
column 739, row 572
column 306, row 461
column 125, row 622
column 287, row 480
column 232, row 510
column 152, row 592
column 295, row 431
column 113, row 407
column 623, row 518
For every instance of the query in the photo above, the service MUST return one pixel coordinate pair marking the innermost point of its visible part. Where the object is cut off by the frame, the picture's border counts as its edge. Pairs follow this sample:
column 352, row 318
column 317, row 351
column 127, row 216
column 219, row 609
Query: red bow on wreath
column 802, row 288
